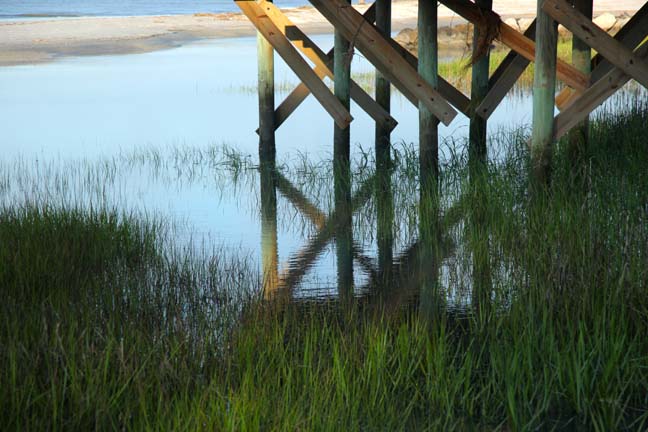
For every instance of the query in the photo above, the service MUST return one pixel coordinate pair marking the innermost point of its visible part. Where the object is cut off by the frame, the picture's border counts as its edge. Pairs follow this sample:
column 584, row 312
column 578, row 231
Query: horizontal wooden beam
column 594, row 96
column 323, row 68
column 613, row 50
column 517, row 41
column 290, row 55
column 383, row 56
column 504, row 78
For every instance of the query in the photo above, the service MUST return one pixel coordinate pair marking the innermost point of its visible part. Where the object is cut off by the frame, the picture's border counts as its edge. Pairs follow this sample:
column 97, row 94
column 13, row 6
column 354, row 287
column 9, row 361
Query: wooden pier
column 588, row 82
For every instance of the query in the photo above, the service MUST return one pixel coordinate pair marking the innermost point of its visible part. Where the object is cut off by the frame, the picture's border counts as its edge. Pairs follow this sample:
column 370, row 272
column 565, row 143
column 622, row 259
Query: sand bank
column 29, row 42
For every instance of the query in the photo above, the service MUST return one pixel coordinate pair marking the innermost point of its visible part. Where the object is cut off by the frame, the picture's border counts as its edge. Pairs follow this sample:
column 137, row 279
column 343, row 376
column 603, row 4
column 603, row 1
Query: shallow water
column 73, row 8
column 145, row 134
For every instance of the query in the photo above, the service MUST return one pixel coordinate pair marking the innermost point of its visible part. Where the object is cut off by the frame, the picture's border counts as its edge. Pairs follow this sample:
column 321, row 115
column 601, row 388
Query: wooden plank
column 630, row 35
column 382, row 55
column 600, row 91
column 323, row 63
column 447, row 90
column 594, row 36
column 290, row 55
column 504, row 78
column 301, row 92
column 518, row 42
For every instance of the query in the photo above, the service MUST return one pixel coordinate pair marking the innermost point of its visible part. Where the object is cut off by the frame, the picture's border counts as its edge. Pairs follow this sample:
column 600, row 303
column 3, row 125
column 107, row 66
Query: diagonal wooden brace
column 518, row 42
column 630, row 35
column 450, row 93
column 594, row 96
column 377, row 49
column 504, row 78
column 447, row 90
column 290, row 55
column 613, row 50
column 323, row 68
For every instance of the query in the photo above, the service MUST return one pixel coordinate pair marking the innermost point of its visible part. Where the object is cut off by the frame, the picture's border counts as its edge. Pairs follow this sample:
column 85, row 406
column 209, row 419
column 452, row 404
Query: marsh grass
column 107, row 326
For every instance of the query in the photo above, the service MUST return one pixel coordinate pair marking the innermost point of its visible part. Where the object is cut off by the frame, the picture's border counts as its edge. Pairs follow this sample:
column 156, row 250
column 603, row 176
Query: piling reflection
column 375, row 265
column 343, row 229
column 384, row 219
column 269, row 249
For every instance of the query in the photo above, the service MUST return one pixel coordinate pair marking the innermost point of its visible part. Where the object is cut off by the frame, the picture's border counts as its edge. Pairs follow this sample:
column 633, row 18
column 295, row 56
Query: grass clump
column 103, row 324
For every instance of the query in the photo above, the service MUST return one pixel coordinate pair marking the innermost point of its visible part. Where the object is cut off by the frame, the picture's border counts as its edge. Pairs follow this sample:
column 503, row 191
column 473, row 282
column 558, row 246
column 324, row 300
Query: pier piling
column 266, row 89
column 544, row 85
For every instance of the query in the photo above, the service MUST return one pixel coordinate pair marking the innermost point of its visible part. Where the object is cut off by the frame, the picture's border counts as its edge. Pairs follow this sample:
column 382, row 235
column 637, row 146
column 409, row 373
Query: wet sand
column 39, row 41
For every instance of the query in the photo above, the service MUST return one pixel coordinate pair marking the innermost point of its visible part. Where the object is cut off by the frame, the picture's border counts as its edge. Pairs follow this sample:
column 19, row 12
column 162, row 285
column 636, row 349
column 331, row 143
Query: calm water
column 74, row 8
column 145, row 134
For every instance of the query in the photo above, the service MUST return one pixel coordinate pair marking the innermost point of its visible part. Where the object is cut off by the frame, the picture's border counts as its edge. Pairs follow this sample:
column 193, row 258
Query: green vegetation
column 105, row 325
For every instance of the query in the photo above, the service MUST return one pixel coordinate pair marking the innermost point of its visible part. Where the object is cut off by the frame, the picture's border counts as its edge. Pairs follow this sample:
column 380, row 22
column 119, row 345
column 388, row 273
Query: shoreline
column 43, row 40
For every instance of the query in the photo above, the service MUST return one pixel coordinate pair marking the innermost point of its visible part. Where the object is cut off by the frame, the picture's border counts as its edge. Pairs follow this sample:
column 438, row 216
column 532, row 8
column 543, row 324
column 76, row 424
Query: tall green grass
column 105, row 326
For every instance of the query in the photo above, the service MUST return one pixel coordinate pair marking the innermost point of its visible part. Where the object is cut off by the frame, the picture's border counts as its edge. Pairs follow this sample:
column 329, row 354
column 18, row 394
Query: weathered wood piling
column 266, row 90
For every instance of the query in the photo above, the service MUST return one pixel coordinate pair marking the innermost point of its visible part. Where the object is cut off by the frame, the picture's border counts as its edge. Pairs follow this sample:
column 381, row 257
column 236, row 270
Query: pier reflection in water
column 384, row 258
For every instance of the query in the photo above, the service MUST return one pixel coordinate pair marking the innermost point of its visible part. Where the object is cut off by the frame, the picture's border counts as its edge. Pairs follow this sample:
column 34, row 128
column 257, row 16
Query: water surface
column 77, row 8
column 170, row 135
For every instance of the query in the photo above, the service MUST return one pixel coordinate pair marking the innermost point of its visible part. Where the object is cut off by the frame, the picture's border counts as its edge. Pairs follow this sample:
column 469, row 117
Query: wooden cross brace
column 613, row 50
column 454, row 96
column 263, row 10
column 594, row 96
column 520, row 43
column 380, row 52
column 277, row 38
column 635, row 31
column 323, row 68
column 620, row 64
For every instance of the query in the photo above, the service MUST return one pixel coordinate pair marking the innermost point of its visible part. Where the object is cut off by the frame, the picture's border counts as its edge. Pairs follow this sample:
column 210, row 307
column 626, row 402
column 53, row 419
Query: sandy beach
column 38, row 41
